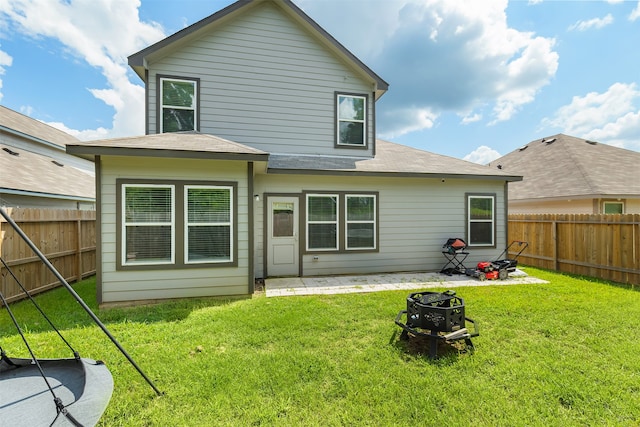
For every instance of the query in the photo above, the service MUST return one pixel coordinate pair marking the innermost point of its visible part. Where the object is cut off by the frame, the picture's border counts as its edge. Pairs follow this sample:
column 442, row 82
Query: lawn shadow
column 65, row 312
column 419, row 347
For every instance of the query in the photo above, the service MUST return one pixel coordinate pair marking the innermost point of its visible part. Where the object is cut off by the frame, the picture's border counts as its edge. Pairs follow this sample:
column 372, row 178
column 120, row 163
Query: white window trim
column 124, row 260
column 363, row 121
column 187, row 224
column 336, row 222
column 193, row 108
column 347, row 222
column 492, row 220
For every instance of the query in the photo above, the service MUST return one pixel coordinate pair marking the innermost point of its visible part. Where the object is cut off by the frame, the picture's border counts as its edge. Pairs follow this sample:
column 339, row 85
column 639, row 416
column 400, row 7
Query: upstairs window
column 178, row 109
column 481, row 220
column 351, row 113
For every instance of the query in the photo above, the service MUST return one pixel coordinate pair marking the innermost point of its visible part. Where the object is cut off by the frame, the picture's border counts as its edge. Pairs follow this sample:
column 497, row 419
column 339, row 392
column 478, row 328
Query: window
column 361, row 222
column 322, row 222
column 178, row 98
column 613, row 207
column 351, row 120
column 176, row 224
column 208, row 224
column 148, row 224
column 341, row 222
column 480, row 220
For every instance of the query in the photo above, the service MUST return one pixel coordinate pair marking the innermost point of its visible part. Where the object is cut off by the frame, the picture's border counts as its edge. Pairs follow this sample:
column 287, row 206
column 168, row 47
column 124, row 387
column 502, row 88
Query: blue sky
column 469, row 79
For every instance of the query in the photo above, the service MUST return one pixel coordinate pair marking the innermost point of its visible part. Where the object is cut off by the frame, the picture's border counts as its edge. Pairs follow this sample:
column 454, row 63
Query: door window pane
column 282, row 219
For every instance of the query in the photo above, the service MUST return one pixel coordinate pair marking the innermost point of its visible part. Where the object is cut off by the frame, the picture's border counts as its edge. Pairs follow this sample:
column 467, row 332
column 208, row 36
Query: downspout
column 251, row 227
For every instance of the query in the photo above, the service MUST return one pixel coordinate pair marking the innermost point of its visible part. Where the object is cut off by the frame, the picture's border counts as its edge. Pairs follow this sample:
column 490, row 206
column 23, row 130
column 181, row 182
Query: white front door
column 282, row 236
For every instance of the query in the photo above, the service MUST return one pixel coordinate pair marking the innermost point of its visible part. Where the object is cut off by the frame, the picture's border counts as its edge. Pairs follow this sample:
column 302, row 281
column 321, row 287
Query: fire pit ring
column 437, row 316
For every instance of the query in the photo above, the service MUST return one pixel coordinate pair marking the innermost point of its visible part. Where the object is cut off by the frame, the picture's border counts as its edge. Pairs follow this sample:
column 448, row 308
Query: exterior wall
column 265, row 83
column 127, row 285
column 416, row 217
column 584, row 206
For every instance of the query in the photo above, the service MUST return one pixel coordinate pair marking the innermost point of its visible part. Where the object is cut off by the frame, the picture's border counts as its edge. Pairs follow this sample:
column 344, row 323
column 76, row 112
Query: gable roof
column 192, row 145
column 391, row 160
column 18, row 124
column 563, row 166
column 35, row 174
column 139, row 60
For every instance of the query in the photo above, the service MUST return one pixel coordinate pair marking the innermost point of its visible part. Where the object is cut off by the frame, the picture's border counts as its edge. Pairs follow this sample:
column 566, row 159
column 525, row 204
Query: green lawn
column 565, row 353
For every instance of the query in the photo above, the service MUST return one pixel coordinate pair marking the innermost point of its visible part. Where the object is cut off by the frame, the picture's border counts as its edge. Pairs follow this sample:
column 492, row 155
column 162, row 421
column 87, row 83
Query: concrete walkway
column 290, row 286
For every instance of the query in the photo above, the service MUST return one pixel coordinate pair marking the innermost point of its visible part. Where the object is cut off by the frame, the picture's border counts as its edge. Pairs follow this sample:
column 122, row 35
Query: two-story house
column 261, row 160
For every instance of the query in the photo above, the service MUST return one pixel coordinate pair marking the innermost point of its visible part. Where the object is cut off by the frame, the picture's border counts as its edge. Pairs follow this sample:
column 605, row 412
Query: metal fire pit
column 437, row 316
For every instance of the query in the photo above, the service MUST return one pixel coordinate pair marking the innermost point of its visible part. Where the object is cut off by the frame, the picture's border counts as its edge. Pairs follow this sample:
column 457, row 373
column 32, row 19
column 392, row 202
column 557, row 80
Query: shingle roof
column 178, row 144
column 25, row 171
column 390, row 159
column 563, row 166
column 16, row 123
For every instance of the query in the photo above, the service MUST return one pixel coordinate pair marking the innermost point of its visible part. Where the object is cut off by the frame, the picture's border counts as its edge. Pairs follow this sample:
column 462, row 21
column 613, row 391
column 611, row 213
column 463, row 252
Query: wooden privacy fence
column 66, row 237
column 603, row 246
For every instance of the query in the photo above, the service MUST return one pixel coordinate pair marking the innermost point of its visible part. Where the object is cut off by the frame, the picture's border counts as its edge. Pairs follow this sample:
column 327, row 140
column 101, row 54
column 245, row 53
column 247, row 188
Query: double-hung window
column 481, row 220
column 361, row 221
column 176, row 224
column 208, row 225
column 351, row 113
column 148, row 224
column 178, row 104
column 341, row 222
column 322, row 222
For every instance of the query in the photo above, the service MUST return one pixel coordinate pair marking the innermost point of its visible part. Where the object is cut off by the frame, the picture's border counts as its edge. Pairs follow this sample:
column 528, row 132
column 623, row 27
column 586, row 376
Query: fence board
column 66, row 237
column 603, row 246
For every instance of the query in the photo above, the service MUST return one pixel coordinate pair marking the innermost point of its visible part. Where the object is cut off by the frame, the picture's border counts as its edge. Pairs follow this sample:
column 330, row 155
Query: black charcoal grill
column 439, row 316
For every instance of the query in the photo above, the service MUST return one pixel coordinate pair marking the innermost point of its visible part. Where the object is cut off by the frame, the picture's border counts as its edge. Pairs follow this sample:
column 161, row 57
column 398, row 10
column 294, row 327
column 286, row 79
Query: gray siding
column 119, row 285
column 417, row 216
column 267, row 83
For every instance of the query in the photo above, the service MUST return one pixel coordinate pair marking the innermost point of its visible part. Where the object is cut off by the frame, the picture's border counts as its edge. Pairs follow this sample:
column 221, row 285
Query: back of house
column 261, row 160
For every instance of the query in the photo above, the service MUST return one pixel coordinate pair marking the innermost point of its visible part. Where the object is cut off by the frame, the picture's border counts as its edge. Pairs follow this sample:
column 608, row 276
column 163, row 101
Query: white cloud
column 635, row 14
column 482, row 155
column 102, row 33
column 611, row 117
column 442, row 56
column 5, row 61
column 596, row 23
column 407, row 120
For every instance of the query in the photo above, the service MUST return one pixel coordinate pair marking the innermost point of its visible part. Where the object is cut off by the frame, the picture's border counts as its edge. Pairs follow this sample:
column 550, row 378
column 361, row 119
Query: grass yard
column 565, row 353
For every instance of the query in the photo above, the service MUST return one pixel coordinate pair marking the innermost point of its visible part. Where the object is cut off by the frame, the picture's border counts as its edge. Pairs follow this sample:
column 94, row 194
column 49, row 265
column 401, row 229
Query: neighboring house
column 36, row 171
column 275, row 170
column 564, row 174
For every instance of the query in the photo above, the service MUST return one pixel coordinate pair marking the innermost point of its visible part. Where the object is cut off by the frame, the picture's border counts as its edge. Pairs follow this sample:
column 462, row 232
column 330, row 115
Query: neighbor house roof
column 27, row 173
column 138, row 60
column 26, row 127
column 177, row 145
column 563, row 166
column 391, row 160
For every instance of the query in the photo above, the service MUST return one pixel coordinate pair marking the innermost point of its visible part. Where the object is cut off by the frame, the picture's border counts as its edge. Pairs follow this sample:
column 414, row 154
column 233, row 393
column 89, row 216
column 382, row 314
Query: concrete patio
column 289, row 286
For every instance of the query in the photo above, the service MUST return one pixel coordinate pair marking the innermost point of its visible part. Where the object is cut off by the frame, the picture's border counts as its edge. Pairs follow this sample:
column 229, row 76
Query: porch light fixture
column 256, row 197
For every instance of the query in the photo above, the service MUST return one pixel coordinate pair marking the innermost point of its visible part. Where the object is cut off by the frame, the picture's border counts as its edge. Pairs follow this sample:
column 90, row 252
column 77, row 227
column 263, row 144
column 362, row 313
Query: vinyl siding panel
column 416, row 217
column 267, row 83
column 127, row 285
